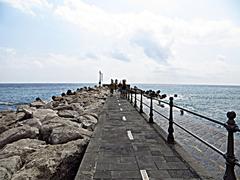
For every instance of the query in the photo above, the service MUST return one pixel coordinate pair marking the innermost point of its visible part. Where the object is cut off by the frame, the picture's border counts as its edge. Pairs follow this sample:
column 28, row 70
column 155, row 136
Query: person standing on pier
column 112, row 86
column 124, row 89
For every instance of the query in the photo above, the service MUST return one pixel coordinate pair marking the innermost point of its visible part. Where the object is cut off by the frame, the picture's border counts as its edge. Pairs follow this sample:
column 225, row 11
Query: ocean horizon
column 210, row 100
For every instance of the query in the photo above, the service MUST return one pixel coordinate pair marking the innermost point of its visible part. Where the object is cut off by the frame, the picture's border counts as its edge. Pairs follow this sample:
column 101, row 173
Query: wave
column 11, row 103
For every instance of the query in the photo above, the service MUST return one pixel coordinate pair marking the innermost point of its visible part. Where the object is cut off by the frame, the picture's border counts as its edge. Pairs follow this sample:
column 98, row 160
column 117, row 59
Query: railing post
column 135, row 99
column 151, row 110
column 170, row 138
column 230, row 157
column 141, row 106
column 131, row 96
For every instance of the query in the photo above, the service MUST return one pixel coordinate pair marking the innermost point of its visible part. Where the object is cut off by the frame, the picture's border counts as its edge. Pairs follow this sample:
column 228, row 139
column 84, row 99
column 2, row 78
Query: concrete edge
column 196, row 167
column 88, row 165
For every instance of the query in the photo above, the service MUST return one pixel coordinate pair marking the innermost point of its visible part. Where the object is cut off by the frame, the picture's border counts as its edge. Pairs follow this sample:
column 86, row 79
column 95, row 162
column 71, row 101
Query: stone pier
column 125, row 146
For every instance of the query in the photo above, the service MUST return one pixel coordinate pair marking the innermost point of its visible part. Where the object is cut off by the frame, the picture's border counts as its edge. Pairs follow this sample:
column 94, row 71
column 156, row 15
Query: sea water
column 12, row 95
column 210, row 100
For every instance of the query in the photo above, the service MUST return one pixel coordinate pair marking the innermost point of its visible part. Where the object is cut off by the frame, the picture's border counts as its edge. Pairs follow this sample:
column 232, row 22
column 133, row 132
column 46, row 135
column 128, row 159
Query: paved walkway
column 125, row 146
column 204, row 156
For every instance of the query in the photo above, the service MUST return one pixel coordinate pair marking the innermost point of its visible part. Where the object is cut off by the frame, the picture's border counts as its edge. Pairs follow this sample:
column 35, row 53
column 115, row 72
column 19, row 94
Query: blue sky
column 144, row 41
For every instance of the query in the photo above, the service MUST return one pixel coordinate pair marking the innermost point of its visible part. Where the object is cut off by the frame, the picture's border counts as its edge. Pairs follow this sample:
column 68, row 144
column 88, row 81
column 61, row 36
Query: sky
column 143, row 41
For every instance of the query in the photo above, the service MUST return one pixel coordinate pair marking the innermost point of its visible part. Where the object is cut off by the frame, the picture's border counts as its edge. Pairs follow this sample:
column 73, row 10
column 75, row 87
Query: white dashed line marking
column 117, row 100
column 121, row 109
column 119, row 104
column 144, row 174
column 124, row 118
column 130, row 136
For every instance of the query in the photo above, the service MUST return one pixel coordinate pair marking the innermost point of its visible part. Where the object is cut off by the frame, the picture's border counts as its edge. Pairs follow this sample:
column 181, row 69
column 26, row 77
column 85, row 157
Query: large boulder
column 53, row 162
column 33, row 122
column 4, row 174
column 3, row 128
column 21, row 148
column 41, row 114
column 61, row 130
column 76, row 99
column 57, row 98
column 37, row 104
column 33, row 112
column 8, row 119
column 63, row 107
column 69, row 98
column 17, row 133
column 77, row 107
column 94, row 107
column 9, row 166
column 88, row 121
column 68, row 113
column 26, row 108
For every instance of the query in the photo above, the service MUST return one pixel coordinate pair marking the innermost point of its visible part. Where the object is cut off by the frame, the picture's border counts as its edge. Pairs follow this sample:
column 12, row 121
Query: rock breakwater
column 46, row 140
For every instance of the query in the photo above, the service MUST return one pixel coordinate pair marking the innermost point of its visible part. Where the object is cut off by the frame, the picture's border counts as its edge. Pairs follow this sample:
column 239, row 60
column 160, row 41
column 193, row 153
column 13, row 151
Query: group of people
column 121, row 87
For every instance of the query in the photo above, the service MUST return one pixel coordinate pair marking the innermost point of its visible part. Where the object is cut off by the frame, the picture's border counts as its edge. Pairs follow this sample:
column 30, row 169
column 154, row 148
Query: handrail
column 202, row 116
column 154, row 110
column 160, row 114
column 237, row 163
column 200, row 139
column 189, row 132
column 230, row 126
column 147, row 96
column 191, row 112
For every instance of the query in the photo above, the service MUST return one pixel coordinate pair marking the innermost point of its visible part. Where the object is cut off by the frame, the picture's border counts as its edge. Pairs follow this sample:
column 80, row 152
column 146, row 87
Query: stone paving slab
column 111, row 154
column 204, row 156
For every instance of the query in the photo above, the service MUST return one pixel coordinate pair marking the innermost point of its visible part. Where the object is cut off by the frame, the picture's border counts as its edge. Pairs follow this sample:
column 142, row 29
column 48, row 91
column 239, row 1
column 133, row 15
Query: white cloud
column 161, row 48
column 166, row 29
column 4, row 51
column 29, row 6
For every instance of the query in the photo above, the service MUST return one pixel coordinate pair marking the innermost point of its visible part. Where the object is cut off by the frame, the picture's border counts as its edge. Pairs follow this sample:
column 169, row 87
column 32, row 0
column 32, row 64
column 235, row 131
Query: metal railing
column 230, row 126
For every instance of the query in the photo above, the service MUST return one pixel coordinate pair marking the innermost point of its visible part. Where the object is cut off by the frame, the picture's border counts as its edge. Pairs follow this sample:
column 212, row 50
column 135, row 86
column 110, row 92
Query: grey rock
column 52, row 162
column 4, row 174
column 20, row 116
column 57, row 98
column 17, row 133
column 69, row 98
column 74, row 100
column 61, row 130
column 94, row 107
column 11, row 164
column 9, row 119
column 63, row 107
column 3, row 128
column 33, row 122
column 37, row 104
column 89, row 121
column 48, row 105
column 77, row 107
column 41, row 114
column 24, row 108
column 21, row 148
column 68, row 113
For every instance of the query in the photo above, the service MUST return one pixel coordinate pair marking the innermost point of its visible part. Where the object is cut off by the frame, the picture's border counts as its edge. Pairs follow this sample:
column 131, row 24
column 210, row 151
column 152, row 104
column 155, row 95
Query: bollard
column 230, row 157
column 135, row 99
column 128, row 94
column 170, row 138
column 151, row 110
column 141, row 106
column 131, row 96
